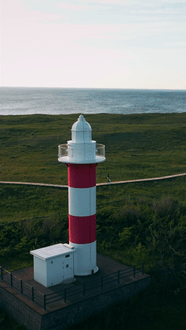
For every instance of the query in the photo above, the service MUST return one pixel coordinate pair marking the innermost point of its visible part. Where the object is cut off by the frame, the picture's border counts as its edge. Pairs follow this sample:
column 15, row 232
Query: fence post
column 21, row 283
column 44, row 301
column 134, row 270
column 11, row 279
column 32, row 293
column 142, row 268
column 84, row 288
column 101, row 282
column 65, row 295
column 118, row 276
column 2, row 273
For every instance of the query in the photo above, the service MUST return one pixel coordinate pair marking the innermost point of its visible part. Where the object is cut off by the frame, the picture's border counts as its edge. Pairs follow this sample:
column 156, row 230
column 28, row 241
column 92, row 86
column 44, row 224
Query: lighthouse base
column 85, row 259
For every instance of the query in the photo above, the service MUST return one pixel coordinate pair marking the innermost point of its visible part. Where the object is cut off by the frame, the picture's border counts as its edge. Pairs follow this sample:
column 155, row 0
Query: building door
column 67, row 268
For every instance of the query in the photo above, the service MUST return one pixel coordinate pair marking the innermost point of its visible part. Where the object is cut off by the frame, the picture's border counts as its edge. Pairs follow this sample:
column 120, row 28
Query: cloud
column 16, row 10
column 94, row 4
column 72, row 6
column 176, row 44
column 129, row 3
column 97, row 2
column 124, row 9
column 176, row 2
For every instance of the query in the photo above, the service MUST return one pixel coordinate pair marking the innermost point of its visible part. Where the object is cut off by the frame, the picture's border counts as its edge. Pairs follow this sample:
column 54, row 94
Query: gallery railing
column 63, row 150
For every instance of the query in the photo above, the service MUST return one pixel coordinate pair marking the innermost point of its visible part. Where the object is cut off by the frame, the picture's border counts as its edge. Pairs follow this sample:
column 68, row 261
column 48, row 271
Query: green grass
column 137, row 146
column 143, row 221
column 25, row 202
column 11, row 263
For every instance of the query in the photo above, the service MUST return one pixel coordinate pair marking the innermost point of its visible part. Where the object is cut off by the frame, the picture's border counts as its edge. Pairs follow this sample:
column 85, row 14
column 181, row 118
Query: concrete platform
column 59, row 315
column 107, row 267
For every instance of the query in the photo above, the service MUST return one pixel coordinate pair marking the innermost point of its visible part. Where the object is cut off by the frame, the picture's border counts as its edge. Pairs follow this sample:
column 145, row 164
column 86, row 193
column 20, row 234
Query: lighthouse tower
column 81, row 155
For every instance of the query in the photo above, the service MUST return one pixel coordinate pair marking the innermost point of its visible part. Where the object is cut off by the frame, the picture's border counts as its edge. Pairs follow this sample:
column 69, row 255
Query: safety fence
column 21, row 286
column 74, row 292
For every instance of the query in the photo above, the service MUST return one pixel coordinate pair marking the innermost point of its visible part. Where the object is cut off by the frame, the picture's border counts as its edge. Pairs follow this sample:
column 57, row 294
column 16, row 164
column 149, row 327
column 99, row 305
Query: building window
column 67, row 256
column 67, row 266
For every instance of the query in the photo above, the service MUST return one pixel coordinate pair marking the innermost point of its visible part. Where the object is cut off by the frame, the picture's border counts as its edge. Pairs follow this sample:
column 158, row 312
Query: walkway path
column 141, row 180
column 36, row 184
column 98, row 184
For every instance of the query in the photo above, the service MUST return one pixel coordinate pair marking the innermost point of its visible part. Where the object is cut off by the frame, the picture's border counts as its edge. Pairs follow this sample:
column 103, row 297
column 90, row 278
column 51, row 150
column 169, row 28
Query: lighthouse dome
column 81, row 131
column 81, row 149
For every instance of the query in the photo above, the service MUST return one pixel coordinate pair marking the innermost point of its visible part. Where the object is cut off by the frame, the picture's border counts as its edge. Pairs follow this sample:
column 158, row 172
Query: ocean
column 57, row 101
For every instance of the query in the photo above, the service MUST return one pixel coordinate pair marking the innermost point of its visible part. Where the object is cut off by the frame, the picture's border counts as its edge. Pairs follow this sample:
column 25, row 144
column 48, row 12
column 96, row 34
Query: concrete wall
column 62, row 318
column 20, row 311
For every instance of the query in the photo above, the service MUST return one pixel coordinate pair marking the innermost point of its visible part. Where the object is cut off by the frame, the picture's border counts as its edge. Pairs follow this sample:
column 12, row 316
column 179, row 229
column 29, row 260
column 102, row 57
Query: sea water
column 56, row 101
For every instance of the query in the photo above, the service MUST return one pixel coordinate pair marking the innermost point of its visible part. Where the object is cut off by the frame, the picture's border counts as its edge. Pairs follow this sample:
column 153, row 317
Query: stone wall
column 36, row 318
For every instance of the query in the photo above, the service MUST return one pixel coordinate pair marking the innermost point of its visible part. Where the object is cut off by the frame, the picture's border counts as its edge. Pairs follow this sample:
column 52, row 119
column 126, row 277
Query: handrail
column 104, row 280
column 24, row 287
column 44, row 299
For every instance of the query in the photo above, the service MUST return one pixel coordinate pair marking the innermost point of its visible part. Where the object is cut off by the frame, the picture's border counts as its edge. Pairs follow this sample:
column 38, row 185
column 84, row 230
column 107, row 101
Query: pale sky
column 93, row 43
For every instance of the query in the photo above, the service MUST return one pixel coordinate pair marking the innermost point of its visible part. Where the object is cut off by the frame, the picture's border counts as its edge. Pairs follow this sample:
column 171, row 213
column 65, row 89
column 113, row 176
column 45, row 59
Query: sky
column 138, row 44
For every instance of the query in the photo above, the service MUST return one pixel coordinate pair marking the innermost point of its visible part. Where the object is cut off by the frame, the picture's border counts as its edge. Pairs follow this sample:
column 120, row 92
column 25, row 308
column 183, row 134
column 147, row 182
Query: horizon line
column 108, row 88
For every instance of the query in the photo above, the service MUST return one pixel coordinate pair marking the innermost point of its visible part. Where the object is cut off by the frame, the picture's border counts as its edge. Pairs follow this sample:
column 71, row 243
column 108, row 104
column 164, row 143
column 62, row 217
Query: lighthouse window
column 67, row 266
column 67, row 256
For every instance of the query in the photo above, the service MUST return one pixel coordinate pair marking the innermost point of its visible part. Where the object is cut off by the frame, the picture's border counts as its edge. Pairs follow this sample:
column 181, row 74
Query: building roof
column 52, row 251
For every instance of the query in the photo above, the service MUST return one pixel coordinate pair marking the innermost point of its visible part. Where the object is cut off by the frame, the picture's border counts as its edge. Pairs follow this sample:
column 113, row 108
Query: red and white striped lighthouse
column 82, row 154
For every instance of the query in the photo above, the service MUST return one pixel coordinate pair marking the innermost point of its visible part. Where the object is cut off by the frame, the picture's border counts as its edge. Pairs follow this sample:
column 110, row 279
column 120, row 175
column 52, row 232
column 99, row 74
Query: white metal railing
column 63, row 150
column 100, row 150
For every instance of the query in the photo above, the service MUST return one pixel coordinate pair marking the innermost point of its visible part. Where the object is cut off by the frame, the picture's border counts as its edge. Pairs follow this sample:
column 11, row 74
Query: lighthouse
column 58, row 263
column 81, row 155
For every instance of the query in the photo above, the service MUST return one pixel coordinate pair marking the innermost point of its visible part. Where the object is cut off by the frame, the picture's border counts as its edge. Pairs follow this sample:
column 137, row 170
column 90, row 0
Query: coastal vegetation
column 143, row 221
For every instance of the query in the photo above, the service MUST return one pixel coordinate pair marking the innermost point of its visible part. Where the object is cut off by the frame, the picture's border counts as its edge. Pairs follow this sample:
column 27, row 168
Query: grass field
column 144, row 221
column 137, row 146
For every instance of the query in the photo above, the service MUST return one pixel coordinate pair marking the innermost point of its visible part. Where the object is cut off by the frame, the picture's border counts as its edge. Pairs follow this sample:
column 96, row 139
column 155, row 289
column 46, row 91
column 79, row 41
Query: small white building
column 53, row 264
